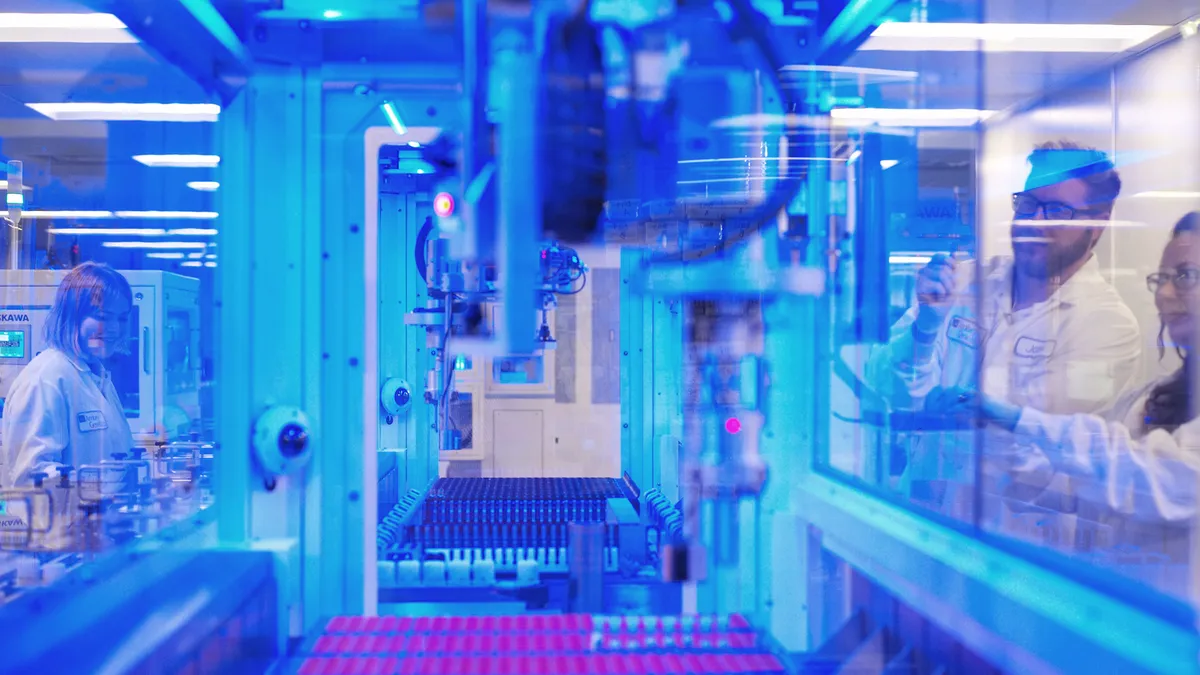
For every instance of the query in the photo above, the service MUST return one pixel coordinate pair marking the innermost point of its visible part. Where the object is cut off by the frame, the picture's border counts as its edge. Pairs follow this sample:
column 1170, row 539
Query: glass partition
column 1019, row 370
column 106, row 338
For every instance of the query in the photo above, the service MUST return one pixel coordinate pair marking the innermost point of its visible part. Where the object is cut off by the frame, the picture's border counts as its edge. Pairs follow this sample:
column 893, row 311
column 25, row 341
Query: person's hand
column 936, row 285
column 958, row 401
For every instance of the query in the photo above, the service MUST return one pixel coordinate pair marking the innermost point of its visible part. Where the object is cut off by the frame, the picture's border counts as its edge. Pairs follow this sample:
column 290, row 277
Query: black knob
column 39, row 478
column 64, row 476
column 402, row 397
column 293, row 439
column 120, row 456
column 138, row 453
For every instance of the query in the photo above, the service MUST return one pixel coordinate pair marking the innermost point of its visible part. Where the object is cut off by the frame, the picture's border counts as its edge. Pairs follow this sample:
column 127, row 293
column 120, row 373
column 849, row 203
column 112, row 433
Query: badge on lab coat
column 92, row 421
column 1034, row 349
column 963, row 331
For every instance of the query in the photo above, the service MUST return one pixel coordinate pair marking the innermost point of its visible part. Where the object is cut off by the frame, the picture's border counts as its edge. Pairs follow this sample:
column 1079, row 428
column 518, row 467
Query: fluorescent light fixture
column 129, row 112
column 76, row 215
column 118, row 231
column 179, row 161
column 886, row 164
column 64, row 28
column 1008, row 37
column 204, row 185
column 4, row 184
column 193, row 232
column 414, row 144
column 178, row 245
column 210, row 264
column 211, row 256
column 908, row 117
column 393, row 117
column 332, row 14
column 1168, row 194
column 192, row 263
column 195, row 256
column 910, row 259
column 163, row 255
column 169, row 215
column 15, row 199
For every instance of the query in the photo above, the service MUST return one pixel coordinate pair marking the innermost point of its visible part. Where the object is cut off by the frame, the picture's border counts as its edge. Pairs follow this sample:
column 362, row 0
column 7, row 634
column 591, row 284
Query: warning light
column 443, row 204
column 733, row 425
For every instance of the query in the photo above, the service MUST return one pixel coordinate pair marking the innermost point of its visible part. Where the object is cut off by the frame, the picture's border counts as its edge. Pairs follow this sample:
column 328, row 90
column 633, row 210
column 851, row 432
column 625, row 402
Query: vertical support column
column 520, row 201
column 269, row 312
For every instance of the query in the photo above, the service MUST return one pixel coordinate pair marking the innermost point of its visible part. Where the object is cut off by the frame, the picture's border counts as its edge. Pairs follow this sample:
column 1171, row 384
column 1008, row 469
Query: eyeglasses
column 1184, row 279
column 1026, row 207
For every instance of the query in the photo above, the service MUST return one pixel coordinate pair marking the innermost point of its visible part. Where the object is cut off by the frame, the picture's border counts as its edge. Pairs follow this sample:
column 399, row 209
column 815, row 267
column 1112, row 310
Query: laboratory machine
column 547, row 340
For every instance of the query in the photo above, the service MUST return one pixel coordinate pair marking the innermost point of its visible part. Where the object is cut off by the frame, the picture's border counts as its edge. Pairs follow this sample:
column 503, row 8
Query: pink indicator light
column 733, row 425
column 443, row 204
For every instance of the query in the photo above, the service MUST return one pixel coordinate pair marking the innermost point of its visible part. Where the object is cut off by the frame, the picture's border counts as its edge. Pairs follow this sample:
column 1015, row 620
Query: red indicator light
column 733, row 425
column 443, row 204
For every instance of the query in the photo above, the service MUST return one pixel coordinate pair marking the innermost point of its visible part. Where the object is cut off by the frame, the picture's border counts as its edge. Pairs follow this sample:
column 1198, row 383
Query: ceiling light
column 132, row 232
column 908, row 117
column 162, row 255
column 4, row 186
column 77, row 215
column 195, row 256
column 193, row 232
column 154, row 244
column 179, row 161
column 204, row 185
column 76, row 28
column 192, row 263
column 1007, row 37
column 129, row 112
column 1168, row 194
column 169, row 215
column 886, row 164
column 332, row 14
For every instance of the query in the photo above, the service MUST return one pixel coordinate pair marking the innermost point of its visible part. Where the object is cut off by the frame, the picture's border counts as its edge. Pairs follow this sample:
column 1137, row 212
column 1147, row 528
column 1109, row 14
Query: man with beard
column 1041, row 329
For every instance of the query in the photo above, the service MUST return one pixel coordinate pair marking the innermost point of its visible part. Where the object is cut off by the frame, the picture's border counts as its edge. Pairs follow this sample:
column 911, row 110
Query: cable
column 419, row 251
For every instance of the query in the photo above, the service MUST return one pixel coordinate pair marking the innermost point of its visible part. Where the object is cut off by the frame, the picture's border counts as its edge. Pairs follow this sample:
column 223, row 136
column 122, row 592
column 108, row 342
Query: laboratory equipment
column 158, row 378
column 742, row 294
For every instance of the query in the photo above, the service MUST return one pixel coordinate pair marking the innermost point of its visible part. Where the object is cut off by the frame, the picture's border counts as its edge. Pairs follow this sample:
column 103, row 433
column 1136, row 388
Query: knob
column 64, row 476
column 293, row 439
column 120, row 456
column 138, row 453
column 39, row 478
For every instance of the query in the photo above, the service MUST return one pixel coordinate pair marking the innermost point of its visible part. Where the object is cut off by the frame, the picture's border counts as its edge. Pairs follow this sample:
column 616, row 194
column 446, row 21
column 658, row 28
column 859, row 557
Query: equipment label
column 92, row 421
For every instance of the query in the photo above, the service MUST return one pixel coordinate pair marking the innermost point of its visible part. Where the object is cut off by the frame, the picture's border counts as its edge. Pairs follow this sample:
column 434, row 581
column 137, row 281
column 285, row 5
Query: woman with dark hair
column 1141, row 458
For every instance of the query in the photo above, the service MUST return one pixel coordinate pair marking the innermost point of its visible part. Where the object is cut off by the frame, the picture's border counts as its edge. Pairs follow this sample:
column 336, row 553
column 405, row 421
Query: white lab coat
column 1118, row 468
column 1135, row 492
column 59, row 412
column 1078, row 351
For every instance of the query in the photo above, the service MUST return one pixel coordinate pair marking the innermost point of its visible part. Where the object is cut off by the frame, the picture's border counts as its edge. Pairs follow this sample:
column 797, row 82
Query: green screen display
column 12, row 344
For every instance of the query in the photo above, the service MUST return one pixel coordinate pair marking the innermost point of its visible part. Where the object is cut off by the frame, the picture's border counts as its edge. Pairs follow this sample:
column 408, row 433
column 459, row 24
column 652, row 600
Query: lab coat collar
column 85, row 368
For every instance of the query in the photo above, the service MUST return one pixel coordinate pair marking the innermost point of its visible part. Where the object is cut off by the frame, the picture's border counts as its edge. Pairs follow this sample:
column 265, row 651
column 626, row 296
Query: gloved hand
column 936, row 286
column 962, row 401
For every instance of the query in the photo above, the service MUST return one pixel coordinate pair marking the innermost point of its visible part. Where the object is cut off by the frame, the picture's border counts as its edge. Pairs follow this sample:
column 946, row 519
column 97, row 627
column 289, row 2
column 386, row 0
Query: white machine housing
column 158, row 380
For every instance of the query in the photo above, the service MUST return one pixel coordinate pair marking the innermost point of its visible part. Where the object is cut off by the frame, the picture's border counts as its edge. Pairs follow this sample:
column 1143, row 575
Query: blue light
column 393, row 116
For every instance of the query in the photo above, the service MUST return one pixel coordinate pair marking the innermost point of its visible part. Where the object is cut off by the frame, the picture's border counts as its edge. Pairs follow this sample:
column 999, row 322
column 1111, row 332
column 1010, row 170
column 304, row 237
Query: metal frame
column 192, row 35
